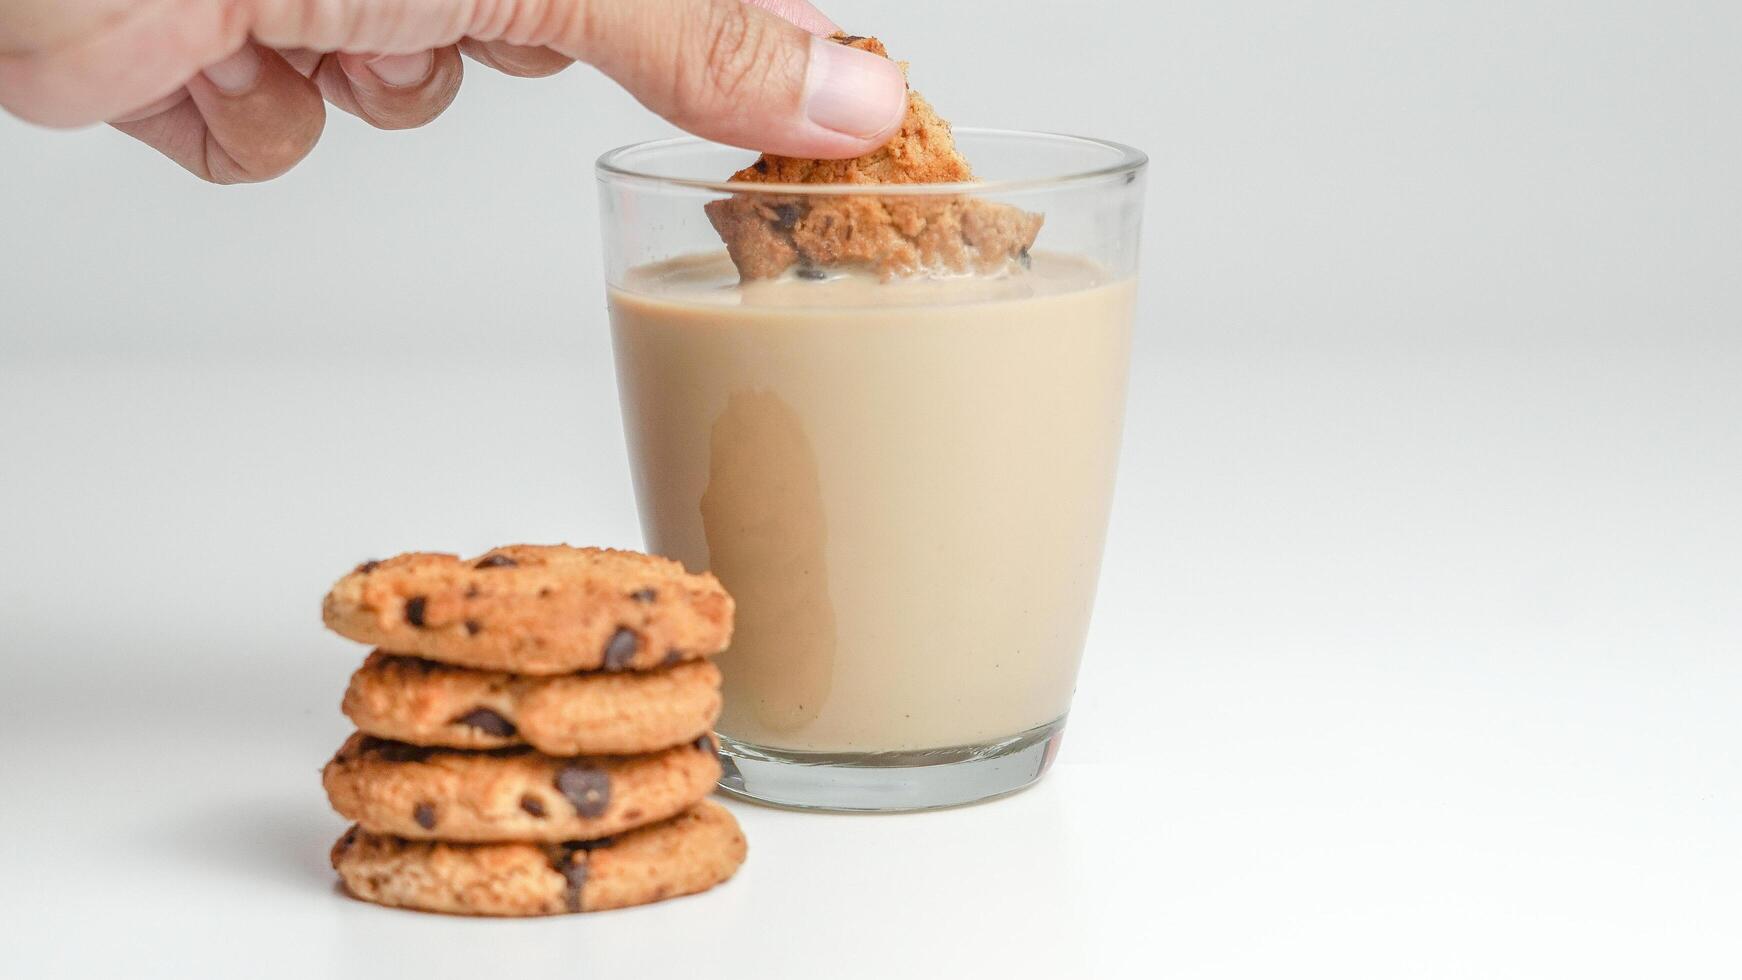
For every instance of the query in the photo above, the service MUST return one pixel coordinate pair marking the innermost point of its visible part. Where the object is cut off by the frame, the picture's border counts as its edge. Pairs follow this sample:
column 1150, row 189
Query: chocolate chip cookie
column 534, row 609
column 688, row 853
column 592, row 713
column 768, row 233
column 512, row 793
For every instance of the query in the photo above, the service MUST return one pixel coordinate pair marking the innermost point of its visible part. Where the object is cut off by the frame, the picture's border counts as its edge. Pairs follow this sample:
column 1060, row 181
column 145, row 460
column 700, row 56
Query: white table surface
column 1404, row 666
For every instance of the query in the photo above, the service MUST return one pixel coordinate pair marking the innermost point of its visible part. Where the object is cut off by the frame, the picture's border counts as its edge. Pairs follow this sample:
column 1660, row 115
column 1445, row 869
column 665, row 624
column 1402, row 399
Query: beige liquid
column 905, row 485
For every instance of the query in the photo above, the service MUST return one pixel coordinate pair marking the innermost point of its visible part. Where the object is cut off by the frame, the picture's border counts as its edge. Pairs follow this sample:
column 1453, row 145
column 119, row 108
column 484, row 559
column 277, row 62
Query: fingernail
column 235, row 74
column 851, row 91
column 403, row 70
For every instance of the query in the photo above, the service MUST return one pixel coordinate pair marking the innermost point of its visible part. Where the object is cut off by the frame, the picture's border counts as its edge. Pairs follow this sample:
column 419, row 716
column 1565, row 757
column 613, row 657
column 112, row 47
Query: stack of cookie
column 534, row 732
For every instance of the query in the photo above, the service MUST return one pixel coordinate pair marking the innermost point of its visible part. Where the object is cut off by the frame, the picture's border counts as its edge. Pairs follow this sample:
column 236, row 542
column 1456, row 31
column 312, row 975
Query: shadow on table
column 262, row 839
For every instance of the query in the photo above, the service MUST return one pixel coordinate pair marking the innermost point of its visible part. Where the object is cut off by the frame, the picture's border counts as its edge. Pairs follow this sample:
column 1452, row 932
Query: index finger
column 111, row 68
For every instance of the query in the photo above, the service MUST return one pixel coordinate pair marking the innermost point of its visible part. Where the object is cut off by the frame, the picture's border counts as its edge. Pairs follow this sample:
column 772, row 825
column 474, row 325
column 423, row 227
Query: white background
column 1417, row 652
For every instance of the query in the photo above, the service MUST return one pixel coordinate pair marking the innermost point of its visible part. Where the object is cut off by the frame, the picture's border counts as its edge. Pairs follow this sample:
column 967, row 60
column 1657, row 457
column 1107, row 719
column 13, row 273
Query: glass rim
column 611, row 168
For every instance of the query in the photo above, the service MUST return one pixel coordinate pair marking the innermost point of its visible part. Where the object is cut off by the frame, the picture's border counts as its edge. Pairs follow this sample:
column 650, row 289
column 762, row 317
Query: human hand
column 234, row 90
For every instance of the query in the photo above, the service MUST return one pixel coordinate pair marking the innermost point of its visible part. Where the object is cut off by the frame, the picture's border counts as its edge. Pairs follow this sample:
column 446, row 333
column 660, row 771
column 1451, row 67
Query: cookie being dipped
column 767, row 234
column 922, row 152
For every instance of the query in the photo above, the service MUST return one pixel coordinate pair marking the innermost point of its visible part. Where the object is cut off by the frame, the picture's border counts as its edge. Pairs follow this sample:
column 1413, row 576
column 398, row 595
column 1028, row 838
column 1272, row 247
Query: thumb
column 731, row 72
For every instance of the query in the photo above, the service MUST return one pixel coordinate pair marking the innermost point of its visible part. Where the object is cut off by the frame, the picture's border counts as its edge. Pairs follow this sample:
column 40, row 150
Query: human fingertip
column 403, row 70
column 853, row 93
column 236, row 74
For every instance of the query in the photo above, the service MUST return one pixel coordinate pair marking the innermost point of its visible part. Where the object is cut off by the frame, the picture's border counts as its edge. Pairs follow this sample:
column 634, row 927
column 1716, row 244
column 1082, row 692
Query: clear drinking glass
column 904, row 481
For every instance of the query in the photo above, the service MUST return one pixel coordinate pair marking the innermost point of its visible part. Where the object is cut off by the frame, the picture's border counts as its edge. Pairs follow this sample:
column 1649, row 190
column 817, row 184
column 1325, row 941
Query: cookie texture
column 768, row 233
column 511, row 794
column 534, row 609
column 423, row 702
column 691, row 852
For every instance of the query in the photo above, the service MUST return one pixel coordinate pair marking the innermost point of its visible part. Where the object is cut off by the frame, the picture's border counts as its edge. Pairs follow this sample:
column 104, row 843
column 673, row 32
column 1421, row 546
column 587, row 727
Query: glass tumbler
column 900, row 468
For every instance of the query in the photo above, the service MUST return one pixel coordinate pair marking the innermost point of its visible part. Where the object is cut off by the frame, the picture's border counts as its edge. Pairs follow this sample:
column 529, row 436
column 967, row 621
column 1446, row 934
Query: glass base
column 888, row 782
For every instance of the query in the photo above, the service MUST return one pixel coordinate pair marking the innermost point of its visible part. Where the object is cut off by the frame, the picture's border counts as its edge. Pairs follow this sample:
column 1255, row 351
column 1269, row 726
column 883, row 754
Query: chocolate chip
column 644, row 595
column 593, row 845
column 575, row 872
column 673, row 657
column 786, row 216
column 811, row 272
column 347, row 841
column 414, row 608
column 761, row 165
column 620, row 649
column 849, row 38
column 532, row 805
column 588, row 789
column 496, row 561
column 544, row 593
column 472, row 627
column 367, row 567
column 486, row 721
column 424, row 814
column 472, row 591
